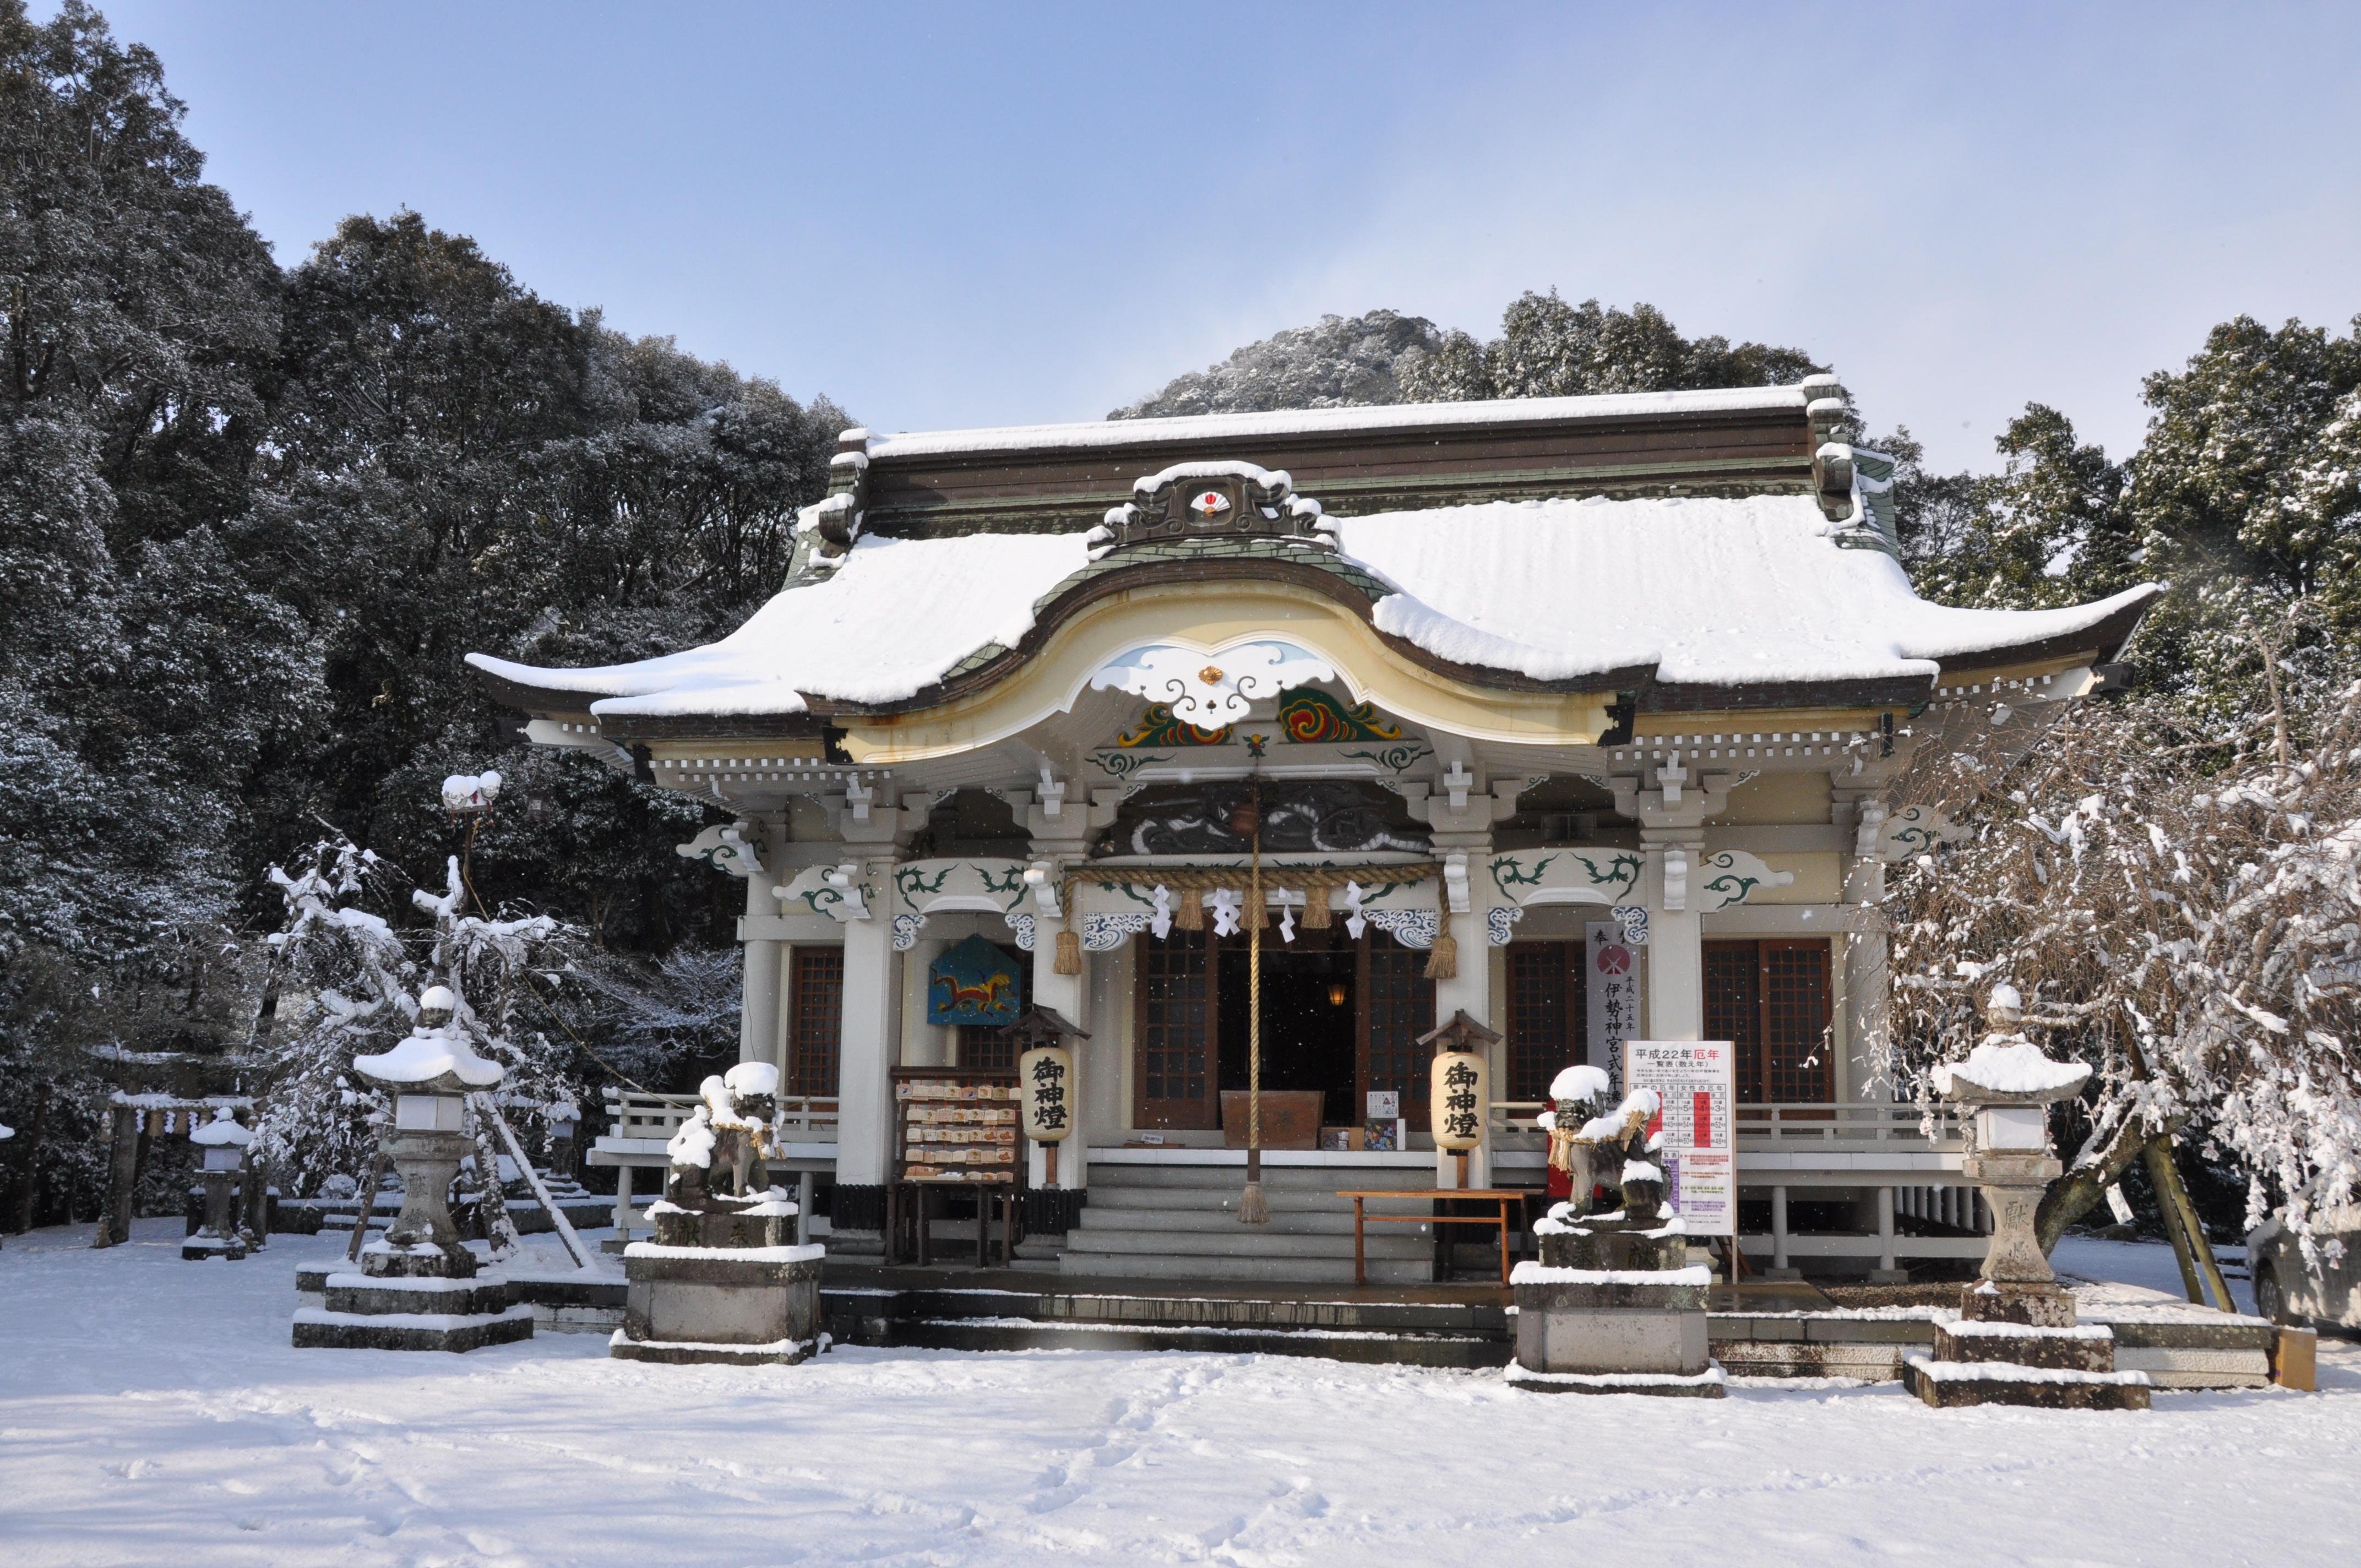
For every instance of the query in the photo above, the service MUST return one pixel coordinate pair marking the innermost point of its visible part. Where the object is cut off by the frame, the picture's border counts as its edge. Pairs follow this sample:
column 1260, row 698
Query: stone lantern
column 431, row 1075
column 221, row 1145
column 2008, row 1085
column 2016, row 1342
column 564, row 1119
column 420, row 1268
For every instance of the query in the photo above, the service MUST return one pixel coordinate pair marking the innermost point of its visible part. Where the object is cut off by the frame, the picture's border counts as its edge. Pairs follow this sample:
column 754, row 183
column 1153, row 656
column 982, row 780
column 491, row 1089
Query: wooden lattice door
column 1548, row 1013
column 1771, row 1000
column 816, row 1022
column 1175, row 1079
column 1397, row 1007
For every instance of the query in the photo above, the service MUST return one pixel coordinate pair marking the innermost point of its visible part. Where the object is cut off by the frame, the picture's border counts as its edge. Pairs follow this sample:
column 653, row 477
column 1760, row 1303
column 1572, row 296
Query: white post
column 865, row 1091
column 758, row 1019
column 1778, row 1229
column 1465, row 828
column 1885, row 1234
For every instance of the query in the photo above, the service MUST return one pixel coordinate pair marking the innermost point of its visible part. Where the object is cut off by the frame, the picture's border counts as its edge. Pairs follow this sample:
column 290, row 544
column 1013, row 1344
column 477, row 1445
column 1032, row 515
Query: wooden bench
column 1361, row 1216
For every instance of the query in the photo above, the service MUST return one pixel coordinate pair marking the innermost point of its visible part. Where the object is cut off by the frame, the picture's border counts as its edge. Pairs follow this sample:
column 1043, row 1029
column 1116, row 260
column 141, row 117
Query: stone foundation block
column 685, row 1301
column 1956, row 1385
column 2091, row 1349
column 1611, row 1339
column 317, row 1330
column 1710, row 1383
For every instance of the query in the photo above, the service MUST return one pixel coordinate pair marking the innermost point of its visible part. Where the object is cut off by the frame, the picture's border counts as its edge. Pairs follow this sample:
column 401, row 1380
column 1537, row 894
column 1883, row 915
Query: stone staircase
column 1180, row 1221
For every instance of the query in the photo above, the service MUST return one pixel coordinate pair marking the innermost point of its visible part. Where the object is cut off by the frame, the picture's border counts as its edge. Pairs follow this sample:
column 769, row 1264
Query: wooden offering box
column 955, row 1126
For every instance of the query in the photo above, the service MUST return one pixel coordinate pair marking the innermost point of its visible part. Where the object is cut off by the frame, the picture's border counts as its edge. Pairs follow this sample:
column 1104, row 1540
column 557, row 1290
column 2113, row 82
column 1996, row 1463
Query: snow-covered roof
column 1200, row 428
column 1736, row 592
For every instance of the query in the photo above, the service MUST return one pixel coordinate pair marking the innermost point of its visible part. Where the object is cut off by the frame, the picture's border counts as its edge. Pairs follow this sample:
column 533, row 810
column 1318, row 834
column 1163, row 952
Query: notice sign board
column 1697, row 1079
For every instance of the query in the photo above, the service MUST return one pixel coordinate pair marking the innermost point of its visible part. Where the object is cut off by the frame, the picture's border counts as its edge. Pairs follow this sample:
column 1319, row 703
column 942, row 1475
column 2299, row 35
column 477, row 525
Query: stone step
column 1377, row 1347
column 357, row 1294
column 1292, row 1222
column 1954, row 1384
column 1329, row 1178
column 2089, row 1348
column 1245, row 1270
column 1239, row 1241
column 1223, row 1200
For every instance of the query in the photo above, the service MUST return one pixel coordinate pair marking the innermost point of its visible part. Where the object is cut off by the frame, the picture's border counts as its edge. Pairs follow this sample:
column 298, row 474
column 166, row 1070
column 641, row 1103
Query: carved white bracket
column 833, row 890
column 725, row 849
column 1915, row 829
column 1728, row 876
column 1676, row 875
column 1670, row 778
column 1041, row 877
column 860, row 797
column 1454, row 883
column 1871, row 823
column 1053, row 793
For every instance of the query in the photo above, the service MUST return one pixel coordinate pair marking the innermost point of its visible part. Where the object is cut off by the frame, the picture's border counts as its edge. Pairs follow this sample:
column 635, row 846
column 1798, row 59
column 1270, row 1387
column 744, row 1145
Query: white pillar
column 864, row 1091
column 1675, row 962
column 758, row 1018
column 1778, row 1229
column 1885, row 1230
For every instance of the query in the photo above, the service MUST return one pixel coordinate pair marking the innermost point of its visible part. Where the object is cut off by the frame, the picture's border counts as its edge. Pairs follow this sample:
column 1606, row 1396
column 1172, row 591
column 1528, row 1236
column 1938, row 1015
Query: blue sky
column 945, row 216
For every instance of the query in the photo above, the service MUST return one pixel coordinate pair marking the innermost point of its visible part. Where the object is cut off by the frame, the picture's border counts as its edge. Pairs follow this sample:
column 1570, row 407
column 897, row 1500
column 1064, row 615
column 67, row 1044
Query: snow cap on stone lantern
column 2010, row 1081
column 222, row 1140
column 466, row 795
column 432, row 1067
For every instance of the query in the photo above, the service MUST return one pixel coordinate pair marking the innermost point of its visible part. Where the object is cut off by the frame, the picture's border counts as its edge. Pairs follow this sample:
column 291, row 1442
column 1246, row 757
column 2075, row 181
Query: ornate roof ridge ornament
column 1214, row 500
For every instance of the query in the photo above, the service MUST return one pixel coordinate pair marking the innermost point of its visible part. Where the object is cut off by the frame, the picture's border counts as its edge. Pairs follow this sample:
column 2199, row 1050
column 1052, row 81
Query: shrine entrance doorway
column 1340, row 1016
column 1309, row 991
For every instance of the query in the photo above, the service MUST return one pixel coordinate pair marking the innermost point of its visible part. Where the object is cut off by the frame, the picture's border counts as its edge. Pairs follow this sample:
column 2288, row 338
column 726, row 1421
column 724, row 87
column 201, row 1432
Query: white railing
column 802, row 1118
column 1797, row 1126
column 1513, row 1124
column 1849, row 1124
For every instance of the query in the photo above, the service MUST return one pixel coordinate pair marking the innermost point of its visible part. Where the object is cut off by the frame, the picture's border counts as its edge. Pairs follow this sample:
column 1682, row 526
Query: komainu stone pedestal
column 720, row 1283
column 1612, row 1309
column 743, row 1305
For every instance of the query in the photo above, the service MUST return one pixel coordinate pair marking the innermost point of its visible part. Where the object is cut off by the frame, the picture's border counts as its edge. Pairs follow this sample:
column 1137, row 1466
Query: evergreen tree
column 1337, row 363
column 1548, row 348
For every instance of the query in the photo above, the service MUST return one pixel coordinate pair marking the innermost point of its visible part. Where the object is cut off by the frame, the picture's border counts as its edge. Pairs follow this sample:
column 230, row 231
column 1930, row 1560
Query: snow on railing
column 809, row 1118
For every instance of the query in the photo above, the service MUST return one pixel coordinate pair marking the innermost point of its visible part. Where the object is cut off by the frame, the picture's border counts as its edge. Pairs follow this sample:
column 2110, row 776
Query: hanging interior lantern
column 1338, row 993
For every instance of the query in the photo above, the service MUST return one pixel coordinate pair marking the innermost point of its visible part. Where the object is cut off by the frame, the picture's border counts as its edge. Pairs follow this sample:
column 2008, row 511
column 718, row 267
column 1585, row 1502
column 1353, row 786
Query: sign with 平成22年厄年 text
column 1698, row 1084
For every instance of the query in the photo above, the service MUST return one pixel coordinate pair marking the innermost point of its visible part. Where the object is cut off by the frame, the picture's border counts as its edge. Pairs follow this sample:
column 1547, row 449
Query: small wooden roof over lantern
column 1462, row 1033
column 1040, row 1025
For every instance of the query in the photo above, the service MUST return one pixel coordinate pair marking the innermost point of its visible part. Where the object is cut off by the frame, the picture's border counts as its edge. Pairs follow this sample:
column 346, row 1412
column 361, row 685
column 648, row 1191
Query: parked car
column 2289, row 1290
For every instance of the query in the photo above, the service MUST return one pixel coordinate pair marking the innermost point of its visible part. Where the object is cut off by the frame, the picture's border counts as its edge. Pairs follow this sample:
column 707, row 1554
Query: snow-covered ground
column 152, row 1412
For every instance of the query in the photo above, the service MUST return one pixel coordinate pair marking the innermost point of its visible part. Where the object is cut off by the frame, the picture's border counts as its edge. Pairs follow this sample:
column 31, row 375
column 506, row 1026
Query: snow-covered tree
column 346, row 981
column 1338, row 362
column 2196, row 938
column 1548, row 348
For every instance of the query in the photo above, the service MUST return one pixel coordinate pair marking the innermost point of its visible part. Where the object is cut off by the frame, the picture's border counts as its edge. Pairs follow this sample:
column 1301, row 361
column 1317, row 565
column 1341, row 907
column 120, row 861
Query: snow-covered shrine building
column 1606, row 691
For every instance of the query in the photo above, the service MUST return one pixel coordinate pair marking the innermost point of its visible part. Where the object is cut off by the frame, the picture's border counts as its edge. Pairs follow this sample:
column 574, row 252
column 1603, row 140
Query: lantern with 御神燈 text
column 1460, row 1083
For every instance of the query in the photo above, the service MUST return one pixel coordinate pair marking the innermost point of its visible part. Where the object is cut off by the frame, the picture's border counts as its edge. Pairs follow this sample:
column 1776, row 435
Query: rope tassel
column 1070, row 952
column 1443, row 958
